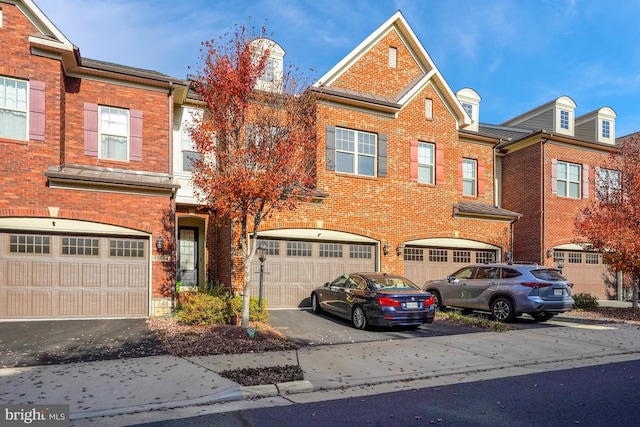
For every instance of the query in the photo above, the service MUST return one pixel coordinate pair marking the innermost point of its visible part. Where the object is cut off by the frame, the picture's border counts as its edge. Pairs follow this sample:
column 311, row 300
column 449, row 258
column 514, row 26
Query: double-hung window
column 469, row 177
column 187, row 147
column 13, row 109
column 569, row 179
column 114, row 133
column 564, row 119
column 606, row 129
column 426, row 165
column 609, row 186
column 355, row 152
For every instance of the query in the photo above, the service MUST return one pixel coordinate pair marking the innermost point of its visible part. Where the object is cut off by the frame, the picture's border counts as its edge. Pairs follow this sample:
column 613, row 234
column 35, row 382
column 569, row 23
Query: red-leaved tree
column 611, row 222
column 256, row 144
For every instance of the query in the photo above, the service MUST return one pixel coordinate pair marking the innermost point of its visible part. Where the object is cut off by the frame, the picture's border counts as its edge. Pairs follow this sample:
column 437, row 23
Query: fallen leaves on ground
column 608, row 314
column 186, row 341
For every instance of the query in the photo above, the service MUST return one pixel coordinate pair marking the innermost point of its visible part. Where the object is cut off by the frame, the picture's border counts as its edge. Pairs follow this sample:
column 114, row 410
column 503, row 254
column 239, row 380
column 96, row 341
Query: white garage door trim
column 448, row 242
column 60, row 225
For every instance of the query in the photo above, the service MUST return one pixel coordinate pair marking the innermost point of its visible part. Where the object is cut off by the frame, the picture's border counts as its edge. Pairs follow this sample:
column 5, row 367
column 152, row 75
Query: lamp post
column 262, row 248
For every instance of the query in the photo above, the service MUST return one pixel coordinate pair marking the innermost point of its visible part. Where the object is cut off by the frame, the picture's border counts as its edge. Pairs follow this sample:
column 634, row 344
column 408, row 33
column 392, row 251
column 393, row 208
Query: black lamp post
column 262, row 248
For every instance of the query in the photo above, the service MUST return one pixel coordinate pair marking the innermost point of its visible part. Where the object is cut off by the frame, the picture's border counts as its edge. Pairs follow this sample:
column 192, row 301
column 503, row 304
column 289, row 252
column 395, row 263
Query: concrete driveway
column 33, row 343
column 306, row 328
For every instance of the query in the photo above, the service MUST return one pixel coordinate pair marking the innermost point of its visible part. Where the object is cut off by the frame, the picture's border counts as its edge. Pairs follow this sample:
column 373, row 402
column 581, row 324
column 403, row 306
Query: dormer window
column 267, row 75
column 271, row 78
column 606, row 129
column 564, row 119
column 468, row 108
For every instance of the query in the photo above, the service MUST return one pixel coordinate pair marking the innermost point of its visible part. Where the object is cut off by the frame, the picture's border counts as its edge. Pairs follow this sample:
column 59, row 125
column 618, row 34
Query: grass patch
column 474, row 320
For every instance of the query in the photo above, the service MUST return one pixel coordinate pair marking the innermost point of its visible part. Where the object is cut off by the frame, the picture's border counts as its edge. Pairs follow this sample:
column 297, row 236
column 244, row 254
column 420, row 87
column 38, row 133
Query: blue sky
column 517, row 54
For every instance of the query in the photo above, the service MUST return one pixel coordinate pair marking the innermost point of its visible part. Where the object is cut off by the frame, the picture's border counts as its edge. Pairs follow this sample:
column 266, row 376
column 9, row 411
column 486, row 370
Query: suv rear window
column 548, row 274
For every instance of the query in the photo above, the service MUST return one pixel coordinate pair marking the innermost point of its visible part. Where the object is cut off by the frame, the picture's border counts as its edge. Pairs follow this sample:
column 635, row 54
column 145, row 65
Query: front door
column 188, row 256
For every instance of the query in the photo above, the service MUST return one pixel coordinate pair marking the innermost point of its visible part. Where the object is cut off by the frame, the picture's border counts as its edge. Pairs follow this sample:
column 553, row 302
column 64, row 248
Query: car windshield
column 548, row 274
column 392, row 283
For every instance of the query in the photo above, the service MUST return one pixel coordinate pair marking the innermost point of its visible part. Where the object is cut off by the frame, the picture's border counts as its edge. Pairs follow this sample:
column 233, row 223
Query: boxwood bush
column 585, row 301
column 216, row 308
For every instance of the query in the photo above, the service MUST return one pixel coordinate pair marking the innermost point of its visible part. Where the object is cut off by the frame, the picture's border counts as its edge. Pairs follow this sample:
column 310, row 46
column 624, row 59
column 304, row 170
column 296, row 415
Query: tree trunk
column 246, row 297
column 636, row 281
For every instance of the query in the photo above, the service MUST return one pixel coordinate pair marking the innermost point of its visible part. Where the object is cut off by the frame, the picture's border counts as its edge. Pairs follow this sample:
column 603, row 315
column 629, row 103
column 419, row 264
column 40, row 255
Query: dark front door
column 188, row 256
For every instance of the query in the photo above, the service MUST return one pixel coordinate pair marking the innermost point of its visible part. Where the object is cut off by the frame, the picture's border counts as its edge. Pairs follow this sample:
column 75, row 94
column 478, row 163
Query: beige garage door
column 293, row 268
column 422, row 263
column 588, row 273
column 66, row 276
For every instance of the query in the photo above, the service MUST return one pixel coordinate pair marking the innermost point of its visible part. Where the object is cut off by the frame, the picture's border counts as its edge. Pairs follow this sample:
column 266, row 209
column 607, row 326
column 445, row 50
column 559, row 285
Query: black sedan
column 375, row 299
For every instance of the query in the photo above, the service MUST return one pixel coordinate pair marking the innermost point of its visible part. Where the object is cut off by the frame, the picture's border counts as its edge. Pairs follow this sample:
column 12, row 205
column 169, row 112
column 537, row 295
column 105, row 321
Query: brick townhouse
column 96, row 180
column 87, row 193
column 551, row 162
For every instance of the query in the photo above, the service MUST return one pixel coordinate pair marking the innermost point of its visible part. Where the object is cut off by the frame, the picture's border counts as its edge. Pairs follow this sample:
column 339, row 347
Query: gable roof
column 430, row 73
column 49, row 42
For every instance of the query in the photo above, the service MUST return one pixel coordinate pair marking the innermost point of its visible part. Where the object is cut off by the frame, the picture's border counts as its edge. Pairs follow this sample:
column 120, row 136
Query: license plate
column 412, row 305
column 558, row 292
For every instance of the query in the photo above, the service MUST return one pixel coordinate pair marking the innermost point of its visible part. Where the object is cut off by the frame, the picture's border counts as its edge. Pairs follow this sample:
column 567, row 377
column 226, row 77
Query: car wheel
column 541, row 317
column 437, row 299
column 315, row 304
column 359, row 318
column 502, row 310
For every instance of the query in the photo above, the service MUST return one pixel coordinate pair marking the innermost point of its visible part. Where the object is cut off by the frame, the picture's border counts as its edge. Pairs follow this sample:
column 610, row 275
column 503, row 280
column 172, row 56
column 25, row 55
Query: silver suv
column 505, row 290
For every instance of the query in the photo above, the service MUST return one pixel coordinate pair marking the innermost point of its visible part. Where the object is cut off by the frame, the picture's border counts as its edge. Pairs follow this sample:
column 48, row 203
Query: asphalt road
column 604, row 395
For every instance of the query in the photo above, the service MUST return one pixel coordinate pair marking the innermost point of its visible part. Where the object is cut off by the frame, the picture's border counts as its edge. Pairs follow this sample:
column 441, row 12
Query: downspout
column 172, row 214
column 543, row 201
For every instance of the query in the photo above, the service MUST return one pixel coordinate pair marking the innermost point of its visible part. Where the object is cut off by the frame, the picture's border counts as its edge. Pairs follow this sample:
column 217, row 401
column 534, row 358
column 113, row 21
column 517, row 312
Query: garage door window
column 360, row 252
column 592, row 258
column 413, row 254
column 575, row 258
column 483, row 257
column 80, row 246
column 330, row 250
column 126, row 248
column 299, row 249
column 438, row 255
column 29, row 244
column 462, row 256
column 273, row 247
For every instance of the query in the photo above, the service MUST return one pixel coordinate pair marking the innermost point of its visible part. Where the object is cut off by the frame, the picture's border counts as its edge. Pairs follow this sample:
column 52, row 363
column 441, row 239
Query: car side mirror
column 452, row 279
column 326, row 285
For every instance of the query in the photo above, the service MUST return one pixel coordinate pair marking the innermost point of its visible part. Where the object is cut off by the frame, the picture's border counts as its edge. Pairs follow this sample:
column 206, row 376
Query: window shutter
column 135, row 135
column 439, row 164
column 91, row 129
column 36, row 110
column 413, row 160
column 585, row 181
column 382, row 155
column 554, row 176
column 460, row 185
column 331, row 148
column 481, row 178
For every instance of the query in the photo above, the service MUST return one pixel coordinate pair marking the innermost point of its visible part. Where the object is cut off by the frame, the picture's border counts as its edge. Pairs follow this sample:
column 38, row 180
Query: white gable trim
column 43, row 24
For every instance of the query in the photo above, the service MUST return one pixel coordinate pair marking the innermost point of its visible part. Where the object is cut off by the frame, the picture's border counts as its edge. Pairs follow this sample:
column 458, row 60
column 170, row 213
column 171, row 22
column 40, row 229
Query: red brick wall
column 24, row 187
column 394, row 209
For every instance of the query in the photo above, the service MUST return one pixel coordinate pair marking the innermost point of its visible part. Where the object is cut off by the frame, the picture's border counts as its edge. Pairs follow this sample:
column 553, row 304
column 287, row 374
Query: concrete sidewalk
column 117, row 392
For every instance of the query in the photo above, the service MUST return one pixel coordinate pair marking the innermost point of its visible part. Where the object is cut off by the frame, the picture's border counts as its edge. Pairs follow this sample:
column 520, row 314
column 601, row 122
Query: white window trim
column 25, row 111
column 356, row 154
column 432, row 164
column 473, row 179
column 101, row 133
column 568, row 180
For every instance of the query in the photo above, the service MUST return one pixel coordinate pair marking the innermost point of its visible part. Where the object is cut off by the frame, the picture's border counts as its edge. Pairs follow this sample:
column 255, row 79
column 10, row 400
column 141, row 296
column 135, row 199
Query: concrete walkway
column 129, row 391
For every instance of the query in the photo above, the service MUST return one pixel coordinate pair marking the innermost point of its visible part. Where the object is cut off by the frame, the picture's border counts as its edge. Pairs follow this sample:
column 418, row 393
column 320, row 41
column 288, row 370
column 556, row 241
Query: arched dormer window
column 271, row 78
column 470, row 101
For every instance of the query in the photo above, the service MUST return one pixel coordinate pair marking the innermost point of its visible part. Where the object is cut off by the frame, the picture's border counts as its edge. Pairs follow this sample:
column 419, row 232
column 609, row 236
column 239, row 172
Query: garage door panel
column 41, row 303
column 137, row 276
column 90, row 303
column 17, row 273
column 17, row 303
column 69, row 274
column 42, row 274
column 137, row 303
column 68, row 303
column 115, row 303
column 91, row 277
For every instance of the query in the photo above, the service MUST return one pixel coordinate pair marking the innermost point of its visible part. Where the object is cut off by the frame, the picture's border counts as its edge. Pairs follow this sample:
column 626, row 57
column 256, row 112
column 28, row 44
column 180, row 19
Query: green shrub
column 585, row 301
column 213, row 306
column 202, row 309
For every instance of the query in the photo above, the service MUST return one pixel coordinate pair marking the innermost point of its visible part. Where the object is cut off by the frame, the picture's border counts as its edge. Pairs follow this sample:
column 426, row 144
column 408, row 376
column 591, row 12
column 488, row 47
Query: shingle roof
column 483, row 210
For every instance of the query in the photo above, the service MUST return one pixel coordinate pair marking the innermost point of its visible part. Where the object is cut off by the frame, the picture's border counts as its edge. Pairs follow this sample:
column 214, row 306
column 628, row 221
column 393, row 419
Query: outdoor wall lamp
column 386, row 248
column 400, row 249
column 550, row 253
column 159, row 243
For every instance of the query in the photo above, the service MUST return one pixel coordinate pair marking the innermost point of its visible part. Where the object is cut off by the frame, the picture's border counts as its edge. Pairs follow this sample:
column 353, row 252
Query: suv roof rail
column 524, row 263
